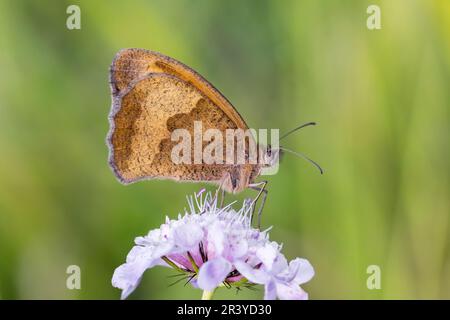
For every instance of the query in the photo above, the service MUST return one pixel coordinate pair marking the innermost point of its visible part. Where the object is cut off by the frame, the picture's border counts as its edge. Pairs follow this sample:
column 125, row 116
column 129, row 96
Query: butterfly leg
column 262, row 191
column 220, row 189
column 222, row 198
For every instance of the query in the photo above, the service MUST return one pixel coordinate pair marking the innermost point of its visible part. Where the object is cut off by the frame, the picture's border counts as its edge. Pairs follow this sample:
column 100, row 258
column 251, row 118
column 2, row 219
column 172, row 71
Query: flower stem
column 207, row 295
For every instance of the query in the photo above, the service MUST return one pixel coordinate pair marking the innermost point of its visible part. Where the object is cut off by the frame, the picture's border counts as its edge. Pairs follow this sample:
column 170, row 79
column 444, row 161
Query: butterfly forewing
column 132, row 64
column 153, row 95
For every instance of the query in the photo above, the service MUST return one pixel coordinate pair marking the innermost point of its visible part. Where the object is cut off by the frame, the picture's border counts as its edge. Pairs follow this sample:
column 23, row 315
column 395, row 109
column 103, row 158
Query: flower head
column 215, row 246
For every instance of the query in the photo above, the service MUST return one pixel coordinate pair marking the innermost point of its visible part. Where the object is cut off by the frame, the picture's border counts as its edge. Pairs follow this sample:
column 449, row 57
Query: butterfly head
column 271, row 156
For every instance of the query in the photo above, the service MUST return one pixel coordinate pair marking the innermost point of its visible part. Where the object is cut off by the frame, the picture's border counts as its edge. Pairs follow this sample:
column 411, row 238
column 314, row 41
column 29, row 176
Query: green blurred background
column 381, row 99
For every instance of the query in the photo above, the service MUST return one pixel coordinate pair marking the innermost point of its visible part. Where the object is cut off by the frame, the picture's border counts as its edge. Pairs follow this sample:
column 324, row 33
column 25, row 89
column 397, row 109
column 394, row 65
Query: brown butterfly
column 152, row 95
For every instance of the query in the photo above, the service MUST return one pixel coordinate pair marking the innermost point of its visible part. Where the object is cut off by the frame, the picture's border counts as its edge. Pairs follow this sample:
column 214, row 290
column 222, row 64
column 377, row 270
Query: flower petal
column 212, row 273
column 267, row 254
column 304, row 270
column 270, row 291
column 215, row 239
column 127, row 277
column 290, row 292
column 180, row 260
column 279, row 264
column 259, row 276
column 188, row 235
column 237, row 247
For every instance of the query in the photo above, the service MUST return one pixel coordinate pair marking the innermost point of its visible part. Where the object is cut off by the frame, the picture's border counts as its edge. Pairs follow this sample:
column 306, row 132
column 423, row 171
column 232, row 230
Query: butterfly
column 152, row 96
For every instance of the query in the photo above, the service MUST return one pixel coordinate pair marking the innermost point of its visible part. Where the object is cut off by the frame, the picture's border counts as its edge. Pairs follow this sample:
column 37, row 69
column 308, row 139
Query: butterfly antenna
column 298, row 128
column 301, row 155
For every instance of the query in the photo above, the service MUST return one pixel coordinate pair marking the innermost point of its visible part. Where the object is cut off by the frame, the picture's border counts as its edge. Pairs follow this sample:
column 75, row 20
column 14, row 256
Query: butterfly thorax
column 240, row 177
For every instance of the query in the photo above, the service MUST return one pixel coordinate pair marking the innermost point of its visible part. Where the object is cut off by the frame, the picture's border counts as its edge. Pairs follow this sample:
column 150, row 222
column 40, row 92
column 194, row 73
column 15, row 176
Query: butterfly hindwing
column 143, row 122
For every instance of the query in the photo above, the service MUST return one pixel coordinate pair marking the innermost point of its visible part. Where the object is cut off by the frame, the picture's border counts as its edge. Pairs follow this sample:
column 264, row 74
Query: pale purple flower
column 279, row 278
column 213, row 247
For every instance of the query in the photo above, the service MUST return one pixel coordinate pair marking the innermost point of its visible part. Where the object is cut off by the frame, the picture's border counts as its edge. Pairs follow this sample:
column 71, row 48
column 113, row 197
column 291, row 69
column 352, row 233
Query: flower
column 279, row 278
column 215, row 247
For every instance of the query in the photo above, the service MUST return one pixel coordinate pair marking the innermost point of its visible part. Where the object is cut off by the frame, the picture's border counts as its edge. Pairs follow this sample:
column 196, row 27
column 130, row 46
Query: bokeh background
column 381, row 99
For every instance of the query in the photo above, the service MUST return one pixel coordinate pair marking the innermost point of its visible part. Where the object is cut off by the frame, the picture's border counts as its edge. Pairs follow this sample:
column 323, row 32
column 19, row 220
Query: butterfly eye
column 234, row 181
